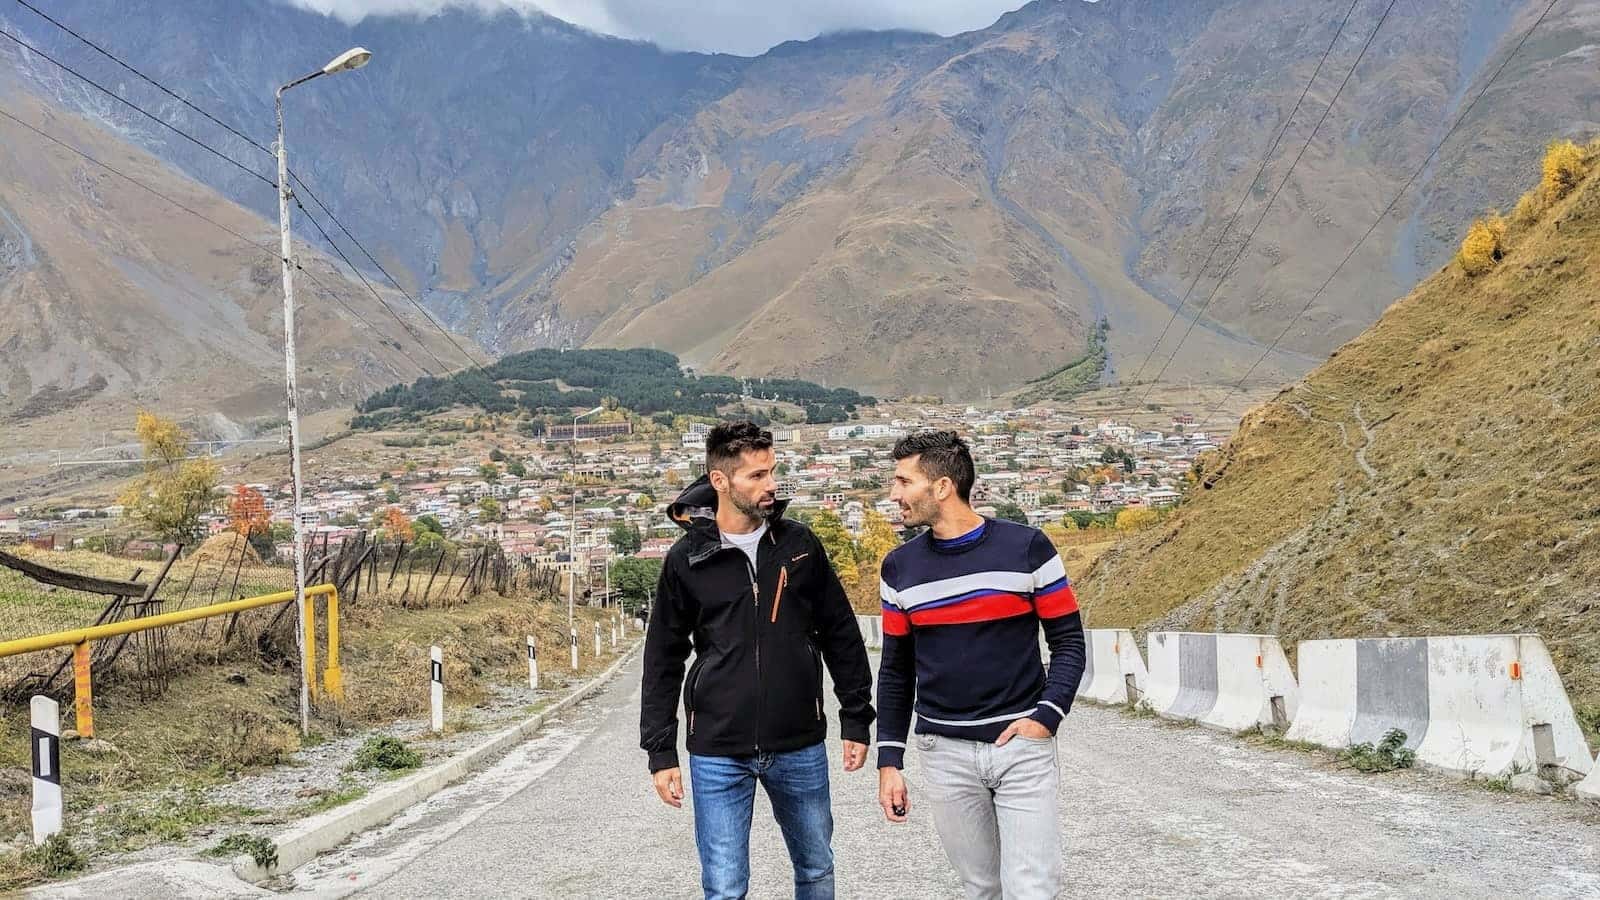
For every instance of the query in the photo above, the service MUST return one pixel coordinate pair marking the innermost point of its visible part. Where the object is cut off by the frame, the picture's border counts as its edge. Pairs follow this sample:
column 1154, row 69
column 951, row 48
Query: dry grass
column 1436, row 476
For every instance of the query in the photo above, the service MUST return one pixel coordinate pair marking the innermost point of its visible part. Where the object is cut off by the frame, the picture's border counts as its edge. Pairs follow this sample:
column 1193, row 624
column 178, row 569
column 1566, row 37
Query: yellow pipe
column 332, row 676
column 144, row 623
column 310, row 638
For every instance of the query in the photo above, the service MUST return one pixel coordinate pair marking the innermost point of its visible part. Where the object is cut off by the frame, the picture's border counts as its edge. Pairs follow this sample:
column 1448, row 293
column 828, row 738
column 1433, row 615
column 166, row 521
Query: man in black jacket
column 753, row 595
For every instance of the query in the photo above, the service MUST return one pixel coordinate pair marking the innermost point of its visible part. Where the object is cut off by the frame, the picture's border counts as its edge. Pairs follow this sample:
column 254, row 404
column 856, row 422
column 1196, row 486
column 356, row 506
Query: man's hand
column 669, row 787
column 855, row 756
column 1028, row 728
column 892, row 794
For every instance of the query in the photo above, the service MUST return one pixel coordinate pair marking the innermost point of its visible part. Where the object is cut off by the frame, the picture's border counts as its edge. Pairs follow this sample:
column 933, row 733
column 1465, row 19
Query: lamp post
column 354, row 58
column 572, row 538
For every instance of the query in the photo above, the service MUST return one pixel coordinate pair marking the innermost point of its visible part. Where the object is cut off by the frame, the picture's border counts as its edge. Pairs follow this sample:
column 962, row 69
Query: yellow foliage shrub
column 1527, row 210
column 1483, row 246
column 1564, row 166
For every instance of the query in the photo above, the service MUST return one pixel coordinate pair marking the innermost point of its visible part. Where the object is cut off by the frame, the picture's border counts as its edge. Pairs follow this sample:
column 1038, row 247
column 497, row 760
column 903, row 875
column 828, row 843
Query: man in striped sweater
column 963, row 604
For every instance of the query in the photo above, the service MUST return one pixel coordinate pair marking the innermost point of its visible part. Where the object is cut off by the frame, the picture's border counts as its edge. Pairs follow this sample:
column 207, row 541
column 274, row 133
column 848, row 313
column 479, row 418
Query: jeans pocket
column 926, row 741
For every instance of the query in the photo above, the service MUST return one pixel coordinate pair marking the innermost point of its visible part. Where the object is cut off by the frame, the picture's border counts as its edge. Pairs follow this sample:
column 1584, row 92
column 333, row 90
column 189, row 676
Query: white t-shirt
column 746, row 542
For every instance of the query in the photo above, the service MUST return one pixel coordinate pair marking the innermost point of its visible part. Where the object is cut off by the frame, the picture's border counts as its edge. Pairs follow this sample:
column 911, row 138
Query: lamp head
column 351, row 59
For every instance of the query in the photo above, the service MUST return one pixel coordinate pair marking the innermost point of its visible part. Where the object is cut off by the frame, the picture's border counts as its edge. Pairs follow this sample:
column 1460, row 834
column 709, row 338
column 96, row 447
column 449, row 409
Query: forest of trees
column 644, row 381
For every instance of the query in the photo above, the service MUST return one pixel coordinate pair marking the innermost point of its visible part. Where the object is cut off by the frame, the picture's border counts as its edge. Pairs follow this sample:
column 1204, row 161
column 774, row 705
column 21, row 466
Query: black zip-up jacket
column 760, row 639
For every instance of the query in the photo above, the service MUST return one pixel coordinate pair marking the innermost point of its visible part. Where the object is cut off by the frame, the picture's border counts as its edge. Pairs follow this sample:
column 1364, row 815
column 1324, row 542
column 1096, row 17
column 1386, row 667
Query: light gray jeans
column 995, row 809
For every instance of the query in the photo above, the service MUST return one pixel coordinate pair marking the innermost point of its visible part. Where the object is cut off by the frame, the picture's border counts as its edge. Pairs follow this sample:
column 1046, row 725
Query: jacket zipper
column 755, row 598
column 694, row 681
column 783, row 579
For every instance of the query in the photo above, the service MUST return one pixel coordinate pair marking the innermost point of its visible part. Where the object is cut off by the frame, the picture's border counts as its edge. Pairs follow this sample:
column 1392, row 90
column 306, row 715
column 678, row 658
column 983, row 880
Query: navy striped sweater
column 961, row 624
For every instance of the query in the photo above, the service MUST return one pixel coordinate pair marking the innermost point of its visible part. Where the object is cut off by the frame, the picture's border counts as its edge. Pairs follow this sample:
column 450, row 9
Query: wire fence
column 48, row 591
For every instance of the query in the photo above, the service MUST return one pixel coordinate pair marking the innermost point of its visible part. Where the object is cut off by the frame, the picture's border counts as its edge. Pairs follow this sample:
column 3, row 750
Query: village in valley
column 546, row 500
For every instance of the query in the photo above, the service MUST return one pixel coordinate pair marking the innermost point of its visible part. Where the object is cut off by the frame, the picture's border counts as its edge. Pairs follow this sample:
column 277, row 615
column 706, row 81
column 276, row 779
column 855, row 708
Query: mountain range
column 889, row 211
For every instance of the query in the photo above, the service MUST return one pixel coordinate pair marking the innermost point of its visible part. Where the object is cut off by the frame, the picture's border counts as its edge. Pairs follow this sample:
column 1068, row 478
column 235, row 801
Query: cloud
column 745, row 27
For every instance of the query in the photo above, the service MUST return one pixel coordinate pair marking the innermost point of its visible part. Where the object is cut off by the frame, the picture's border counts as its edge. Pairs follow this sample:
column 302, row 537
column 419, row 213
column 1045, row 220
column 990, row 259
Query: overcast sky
column 745, row 27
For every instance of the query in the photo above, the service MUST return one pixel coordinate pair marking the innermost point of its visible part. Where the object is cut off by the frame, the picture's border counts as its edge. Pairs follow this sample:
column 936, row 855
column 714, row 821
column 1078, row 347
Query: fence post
column 533, row 664
column 615, row 626
column 597, row 640
column 574, row 648
column 45, row 739
column 83, row 691
column 436, row 686
column 333, row 675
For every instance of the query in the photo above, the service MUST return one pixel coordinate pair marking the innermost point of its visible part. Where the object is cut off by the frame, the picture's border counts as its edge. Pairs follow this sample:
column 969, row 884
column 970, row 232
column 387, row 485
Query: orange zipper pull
column 783, row 578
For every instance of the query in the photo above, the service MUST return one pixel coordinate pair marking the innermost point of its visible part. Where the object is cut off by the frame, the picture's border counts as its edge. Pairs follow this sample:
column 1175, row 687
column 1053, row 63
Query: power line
column 1273, row 199
column 205, row 218
column 1386, row 210
column 381, row 302
column 294, row 176
column 1265, row 158
column 140, row 110
column 158, row 86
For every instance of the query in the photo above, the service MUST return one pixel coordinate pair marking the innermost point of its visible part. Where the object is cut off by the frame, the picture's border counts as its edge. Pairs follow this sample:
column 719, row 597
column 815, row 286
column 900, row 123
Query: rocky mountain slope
column 113, row 296
column 847, row 208
column 1442, row 468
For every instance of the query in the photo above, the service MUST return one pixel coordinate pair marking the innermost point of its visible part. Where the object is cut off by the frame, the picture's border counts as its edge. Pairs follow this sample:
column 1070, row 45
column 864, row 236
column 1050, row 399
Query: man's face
column 914, row 492
column 751, row 488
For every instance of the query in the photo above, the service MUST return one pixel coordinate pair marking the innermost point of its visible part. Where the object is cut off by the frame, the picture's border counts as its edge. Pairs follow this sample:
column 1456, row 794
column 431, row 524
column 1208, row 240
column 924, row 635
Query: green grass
column 132, row 827
column 389, row 754
column 1387, row 755
column 332, row 800
column 258, row 848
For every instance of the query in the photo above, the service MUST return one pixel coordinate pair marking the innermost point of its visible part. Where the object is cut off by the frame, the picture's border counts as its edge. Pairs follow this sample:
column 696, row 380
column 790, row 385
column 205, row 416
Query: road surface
column 1147, row 809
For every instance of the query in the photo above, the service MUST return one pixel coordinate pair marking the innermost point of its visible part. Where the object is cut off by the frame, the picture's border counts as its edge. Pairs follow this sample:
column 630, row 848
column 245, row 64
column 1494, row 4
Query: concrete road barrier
column 1113, row 670
column 1589, row 788
column 1231, row 682
column 1475, row 705
column 871, row 631
column 1255, row 685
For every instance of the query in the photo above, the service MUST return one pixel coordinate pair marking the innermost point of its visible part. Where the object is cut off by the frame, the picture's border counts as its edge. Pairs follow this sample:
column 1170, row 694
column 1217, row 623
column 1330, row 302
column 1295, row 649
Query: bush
column 387, row 753
column 1483, row 246
column 258, row 848
column 1390, row 754
column 56, row 856
column 1563, row 168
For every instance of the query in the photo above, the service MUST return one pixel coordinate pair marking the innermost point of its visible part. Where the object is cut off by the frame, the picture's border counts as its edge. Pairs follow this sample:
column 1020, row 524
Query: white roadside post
column 616, row 625
column 533, row 664
column 436, row 686
column 45, row 739
column 597, row 640
column 574, row 636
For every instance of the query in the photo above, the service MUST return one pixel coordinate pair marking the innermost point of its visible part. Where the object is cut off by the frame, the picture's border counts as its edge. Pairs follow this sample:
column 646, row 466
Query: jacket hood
column 695, row 511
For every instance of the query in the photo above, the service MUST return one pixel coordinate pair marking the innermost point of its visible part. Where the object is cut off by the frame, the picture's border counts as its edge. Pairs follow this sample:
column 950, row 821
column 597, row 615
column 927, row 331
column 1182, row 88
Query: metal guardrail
column 79, row 640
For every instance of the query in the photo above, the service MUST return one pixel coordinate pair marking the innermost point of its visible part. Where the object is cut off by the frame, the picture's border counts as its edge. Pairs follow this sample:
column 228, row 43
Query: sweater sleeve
column 1057, row 608
column 897, row 677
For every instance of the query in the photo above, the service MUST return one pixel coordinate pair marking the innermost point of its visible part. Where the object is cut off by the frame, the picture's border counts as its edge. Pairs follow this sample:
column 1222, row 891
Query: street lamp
column 572, row 537
column 354, row 58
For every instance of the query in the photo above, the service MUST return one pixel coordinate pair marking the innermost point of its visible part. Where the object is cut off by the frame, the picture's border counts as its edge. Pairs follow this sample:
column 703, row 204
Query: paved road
column 1148, row 809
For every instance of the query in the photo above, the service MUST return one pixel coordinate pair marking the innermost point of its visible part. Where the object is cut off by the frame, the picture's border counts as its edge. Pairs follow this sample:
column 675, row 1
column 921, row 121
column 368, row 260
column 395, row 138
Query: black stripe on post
column 46, row 755
column 533, row 651
column 437, row 671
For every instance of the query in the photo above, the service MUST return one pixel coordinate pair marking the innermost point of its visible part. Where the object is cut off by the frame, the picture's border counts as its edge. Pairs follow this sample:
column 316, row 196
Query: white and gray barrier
column 436, row 688
column 1232, row 682
column 1476, row 705
column 1113, row 670
column 44, row 739
column 1589, row 787
column 871, row 631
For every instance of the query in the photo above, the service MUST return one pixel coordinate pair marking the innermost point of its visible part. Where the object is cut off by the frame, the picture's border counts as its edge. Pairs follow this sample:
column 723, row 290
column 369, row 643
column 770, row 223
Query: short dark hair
column 941, row 454
column 730, row 440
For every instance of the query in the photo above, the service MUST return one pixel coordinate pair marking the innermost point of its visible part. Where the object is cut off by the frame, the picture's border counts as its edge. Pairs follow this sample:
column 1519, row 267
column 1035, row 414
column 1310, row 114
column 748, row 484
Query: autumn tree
column 247, row 511
column 1136, row 519
column 174, row 492
column 396, row 525
column 489, row 509
column 1562, row 170
column 838, row 544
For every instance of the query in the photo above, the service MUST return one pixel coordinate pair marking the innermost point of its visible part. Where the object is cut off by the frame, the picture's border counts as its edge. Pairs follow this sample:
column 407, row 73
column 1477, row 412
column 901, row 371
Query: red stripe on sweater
column 1059, row 602
column 979, row 609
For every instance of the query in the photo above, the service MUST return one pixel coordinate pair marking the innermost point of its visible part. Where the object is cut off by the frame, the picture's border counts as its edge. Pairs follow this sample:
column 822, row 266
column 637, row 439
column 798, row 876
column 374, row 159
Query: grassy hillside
column 1438, row 475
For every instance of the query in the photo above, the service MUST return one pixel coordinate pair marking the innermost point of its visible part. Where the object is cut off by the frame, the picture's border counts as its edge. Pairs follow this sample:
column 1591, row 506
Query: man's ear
column 719, row 480
column 942, row 488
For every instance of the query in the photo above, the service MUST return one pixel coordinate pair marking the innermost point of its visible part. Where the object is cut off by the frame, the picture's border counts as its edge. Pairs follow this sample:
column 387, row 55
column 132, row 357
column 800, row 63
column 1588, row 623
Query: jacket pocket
column 816, row 676
column 777, row 597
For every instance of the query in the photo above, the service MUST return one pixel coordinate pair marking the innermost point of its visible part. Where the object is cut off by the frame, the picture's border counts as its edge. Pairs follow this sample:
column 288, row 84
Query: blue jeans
column 723, row 793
